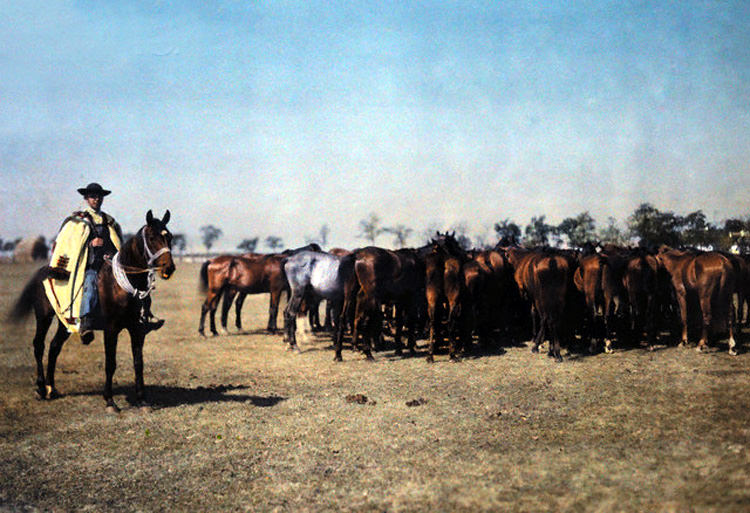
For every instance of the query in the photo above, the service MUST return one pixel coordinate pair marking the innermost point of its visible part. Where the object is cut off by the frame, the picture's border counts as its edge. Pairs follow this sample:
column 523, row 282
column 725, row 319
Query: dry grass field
column 240, row 424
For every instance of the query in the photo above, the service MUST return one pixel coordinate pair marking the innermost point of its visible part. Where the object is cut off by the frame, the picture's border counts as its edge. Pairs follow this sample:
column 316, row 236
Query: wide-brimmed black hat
column 93, row 189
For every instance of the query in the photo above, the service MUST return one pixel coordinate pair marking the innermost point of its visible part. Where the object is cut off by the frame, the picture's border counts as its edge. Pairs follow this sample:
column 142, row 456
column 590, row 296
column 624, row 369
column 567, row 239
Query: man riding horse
column 93, row 236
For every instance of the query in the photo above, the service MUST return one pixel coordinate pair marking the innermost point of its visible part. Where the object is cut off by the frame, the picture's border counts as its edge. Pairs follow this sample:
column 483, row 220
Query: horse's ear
column 149, row 217
column 165, row 219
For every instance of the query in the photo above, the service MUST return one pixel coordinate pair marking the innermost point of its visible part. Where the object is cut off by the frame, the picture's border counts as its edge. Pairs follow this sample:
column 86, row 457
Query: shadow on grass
column 161, row 396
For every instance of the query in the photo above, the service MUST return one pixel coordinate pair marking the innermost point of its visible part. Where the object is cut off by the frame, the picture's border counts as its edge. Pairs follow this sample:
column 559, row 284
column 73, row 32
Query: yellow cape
column 64, row 287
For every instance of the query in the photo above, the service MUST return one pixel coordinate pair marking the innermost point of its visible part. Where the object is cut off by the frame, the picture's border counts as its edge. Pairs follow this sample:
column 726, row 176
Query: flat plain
column 240, row 424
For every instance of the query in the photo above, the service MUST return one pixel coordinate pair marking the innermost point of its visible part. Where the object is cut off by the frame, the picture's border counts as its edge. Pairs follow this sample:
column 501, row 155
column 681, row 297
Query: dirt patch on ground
column 241, row 424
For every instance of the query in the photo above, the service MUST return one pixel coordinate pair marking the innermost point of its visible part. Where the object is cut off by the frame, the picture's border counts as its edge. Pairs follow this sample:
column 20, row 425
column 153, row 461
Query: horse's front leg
column 137, row 337
column 110, row 364
column 54, row 351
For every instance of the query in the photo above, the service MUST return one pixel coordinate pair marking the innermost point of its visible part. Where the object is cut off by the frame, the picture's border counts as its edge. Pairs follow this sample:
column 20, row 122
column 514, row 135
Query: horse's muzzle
column 167, row 270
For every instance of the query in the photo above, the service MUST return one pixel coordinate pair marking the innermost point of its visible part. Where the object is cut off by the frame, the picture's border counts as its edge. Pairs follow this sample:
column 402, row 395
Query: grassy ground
column 240, row 424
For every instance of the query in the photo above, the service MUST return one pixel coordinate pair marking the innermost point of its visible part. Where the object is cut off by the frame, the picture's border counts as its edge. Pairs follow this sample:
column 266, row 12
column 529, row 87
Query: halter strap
column 152, row 256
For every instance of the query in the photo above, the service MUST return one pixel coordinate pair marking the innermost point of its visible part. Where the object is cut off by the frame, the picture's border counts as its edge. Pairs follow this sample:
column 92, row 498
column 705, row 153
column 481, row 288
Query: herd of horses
column 440, row 291
column 599, row 295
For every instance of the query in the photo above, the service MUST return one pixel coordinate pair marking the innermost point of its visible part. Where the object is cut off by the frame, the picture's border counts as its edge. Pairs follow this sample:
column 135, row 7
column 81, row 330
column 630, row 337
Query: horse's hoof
column 535, row 349
column 40, row 394
column 144, row 407
column 558, row 359
column 338, row 358
column 608, row 350
column 201, row 333
column 700, row 349
column 370, row 358
column 430, row 359
column 113, row 409
column 455, row 359
column 732, row 352
column 52, row 394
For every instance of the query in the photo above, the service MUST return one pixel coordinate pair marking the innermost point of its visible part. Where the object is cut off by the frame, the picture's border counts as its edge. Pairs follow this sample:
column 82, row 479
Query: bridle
column 121, row 271
column 153, row 256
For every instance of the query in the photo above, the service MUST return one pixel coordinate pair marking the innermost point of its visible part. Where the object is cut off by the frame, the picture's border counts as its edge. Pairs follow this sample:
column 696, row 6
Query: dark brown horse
column 384, row 277
column 706, row 279
column 119, row 308
column 254, row 274
column 488, row 280
column 640, row 280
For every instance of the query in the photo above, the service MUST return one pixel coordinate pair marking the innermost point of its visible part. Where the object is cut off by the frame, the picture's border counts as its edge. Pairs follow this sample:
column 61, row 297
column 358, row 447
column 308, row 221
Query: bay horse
column 253, row 274
column 271, row 274
column 141, row 255
column 706, row 278
column 445, row 287
column 544, row 276
column 322, row 274
column 597, row 279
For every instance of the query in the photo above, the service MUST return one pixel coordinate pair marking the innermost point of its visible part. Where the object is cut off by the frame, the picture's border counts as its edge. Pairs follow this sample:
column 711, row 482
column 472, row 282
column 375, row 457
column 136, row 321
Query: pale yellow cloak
column 64, row 286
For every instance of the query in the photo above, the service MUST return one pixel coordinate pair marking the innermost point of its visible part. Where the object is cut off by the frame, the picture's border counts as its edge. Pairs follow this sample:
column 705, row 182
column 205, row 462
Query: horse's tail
column 204, row 276
column 25, row 302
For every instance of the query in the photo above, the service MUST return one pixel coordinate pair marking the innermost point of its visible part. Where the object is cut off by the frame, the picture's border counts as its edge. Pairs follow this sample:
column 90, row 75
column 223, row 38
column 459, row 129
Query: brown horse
column 445, row 289
column 254, row 274
column 120, row 309
column 599, row 278
column 707, row 279
column 270, row 273
column 382, row 277
column 544, row 277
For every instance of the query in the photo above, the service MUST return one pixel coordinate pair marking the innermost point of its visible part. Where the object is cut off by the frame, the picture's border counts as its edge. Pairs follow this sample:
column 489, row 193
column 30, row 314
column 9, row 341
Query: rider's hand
column 96, row 242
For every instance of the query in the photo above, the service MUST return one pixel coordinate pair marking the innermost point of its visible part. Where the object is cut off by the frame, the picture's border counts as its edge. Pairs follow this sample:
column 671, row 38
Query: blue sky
column 276, row 118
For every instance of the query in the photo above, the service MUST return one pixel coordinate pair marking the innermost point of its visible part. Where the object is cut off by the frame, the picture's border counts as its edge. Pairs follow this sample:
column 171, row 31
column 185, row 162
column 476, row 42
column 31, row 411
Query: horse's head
column 157, row 244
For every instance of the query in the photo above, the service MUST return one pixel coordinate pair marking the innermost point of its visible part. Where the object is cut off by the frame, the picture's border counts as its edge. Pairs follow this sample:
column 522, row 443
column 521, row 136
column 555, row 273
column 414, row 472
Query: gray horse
column 321, row 274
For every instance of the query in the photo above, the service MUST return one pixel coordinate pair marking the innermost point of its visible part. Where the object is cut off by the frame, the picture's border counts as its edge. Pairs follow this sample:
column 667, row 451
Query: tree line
column 646, row 226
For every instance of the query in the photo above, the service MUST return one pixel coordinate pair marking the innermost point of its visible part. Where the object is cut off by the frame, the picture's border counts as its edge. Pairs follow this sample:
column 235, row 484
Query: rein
column 121, row 271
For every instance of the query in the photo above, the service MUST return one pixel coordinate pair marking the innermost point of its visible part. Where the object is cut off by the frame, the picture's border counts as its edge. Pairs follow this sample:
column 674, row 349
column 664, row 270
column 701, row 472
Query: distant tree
column 248, row 245
column 370, row 228
column 653, row 228
column 179, row 242
column 698, row 232
column 611, row 234
column 508, row 232
column 321, row 239
column 538, row 232
column 210, row 234
column 400, row 234
column 273, row 243
column 579, row 230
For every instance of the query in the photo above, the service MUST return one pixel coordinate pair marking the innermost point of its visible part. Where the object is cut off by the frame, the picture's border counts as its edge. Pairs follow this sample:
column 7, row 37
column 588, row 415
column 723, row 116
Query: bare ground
column 240, row 424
